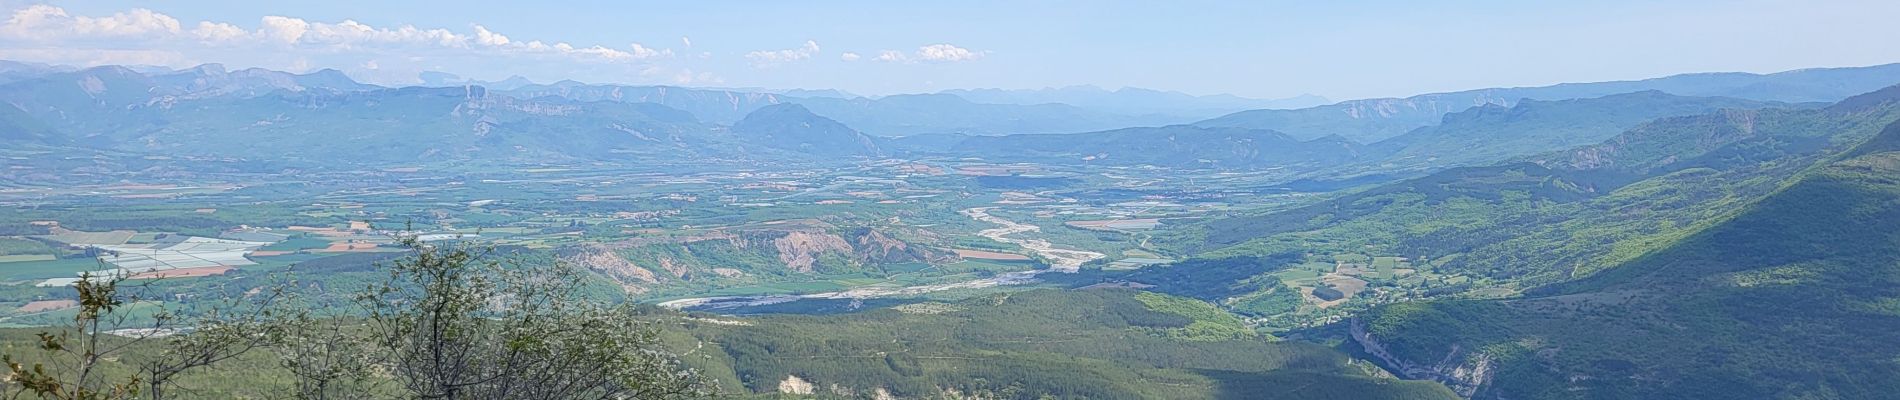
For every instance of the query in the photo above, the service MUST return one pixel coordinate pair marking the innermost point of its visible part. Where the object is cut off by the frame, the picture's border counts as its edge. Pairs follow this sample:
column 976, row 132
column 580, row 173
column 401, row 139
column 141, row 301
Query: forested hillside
column 1793, row 297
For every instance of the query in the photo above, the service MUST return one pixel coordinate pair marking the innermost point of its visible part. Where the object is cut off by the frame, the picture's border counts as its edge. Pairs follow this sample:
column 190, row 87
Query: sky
column 1264, row 49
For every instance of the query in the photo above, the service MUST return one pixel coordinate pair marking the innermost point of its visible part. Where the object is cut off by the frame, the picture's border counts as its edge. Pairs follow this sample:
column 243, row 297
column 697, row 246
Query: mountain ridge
column 1368, row 120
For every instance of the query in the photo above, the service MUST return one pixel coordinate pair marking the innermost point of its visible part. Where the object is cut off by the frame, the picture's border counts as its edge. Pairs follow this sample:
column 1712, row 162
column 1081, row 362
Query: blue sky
column 1340, row 49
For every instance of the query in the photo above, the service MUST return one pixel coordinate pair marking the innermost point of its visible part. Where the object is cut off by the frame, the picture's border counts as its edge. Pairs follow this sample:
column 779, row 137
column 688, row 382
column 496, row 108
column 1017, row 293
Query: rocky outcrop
column 876, row 246
column 799, row 250
column 795, row 385
column 1465, row 373
column 678, row 271
column 602, row 259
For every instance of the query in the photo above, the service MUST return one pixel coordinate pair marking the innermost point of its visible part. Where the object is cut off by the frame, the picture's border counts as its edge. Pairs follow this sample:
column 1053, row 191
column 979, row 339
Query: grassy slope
column 1102, row 344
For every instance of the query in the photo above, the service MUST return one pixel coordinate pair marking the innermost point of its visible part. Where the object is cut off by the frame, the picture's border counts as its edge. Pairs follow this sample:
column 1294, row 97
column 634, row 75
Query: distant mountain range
column 14, row 71
column 712, row 105
column 794, row 128
column 211, row 111
column 1372, row 120
column 896, row 115
column 1491, row 133
column 1477, row 136
column 1135, row 100
column 1183, row 146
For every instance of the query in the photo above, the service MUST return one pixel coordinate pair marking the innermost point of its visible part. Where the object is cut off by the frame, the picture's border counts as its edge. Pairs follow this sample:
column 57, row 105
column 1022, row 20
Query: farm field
column 717, row 232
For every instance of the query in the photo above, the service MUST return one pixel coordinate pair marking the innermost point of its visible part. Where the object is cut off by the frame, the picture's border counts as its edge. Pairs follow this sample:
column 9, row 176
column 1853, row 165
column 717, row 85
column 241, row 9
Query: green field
column 36, row 270
column 25, row 257
column 19, row 246
column 297, row 243
column 82, row 238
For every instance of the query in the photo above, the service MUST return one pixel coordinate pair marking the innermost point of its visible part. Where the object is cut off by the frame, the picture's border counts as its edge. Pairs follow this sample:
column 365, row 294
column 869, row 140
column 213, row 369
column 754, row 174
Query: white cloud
column 597, row 51
column 768, row 58
column 936, row 53
column 218, row 32
column 849, row 56
column 945, row 52
column 891, row 56
column 44, row 22
column 350, row 33
column 647, row 52
column 52, row 24
column 489, row 38
column 284, row 29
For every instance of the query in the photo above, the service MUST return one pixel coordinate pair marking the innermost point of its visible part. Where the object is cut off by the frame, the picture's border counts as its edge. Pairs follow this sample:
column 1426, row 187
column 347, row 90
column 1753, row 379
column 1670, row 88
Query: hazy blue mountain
column 1371, row 120
column 912, row 114
column 513, row 82
column 897, row 115
column 832, row 93
column 382, row 125
column 150, row 69
column 19, row 129
column 210, row 109
column 257, row 114
column 438, row 78
column 98, row 101
column 1135, row 100
column 408, row 124
column 211, row 80
column 712, row 105
column 445, row 79
column 321, row 79
column 1175, row 146
column 792, row 127
column 14, row 71
column 1492, row 133
column 63, row 107
column 86, row 102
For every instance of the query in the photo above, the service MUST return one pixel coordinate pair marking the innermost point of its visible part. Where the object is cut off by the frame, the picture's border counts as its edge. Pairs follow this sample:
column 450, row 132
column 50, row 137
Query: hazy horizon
column 1268, row 51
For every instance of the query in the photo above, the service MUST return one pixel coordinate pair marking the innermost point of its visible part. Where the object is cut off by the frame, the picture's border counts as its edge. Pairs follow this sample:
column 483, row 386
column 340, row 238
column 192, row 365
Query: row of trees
column 450, row 322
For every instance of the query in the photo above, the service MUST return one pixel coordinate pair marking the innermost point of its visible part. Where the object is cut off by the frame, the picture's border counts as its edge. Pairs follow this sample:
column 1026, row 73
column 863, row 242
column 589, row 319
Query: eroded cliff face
column 640, row 263
column 601, row 258
column 875, row 244
column 1464, row 372
column 878, row 246
column 799, row 250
